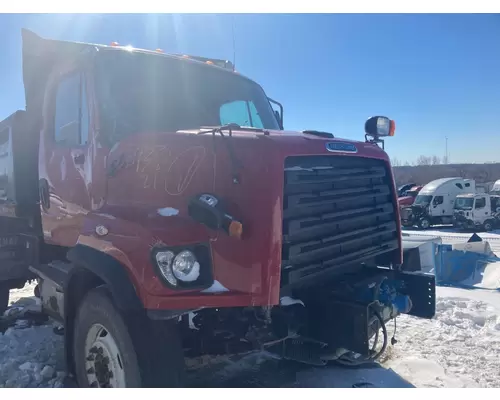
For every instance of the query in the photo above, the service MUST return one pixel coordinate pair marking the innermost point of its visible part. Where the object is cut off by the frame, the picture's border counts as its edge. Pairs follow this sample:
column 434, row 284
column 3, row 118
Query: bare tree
column 395, row 162
column 435, row 160
column 423, row 160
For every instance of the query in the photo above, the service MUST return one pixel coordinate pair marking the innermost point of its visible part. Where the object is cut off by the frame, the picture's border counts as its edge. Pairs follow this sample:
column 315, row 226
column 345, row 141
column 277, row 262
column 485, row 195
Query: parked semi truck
column 434, row 203
column 479, row 211
column 165, row 213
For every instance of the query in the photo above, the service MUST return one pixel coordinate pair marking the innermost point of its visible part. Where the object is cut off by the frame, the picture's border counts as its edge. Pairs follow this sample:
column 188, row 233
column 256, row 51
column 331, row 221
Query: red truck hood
column 204, row 162
column 303, row 143
column 406, row 200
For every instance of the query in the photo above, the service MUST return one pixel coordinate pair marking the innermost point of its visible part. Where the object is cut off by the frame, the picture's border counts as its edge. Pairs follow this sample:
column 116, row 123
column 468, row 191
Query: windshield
column 464, row 203
column 422, row 200
column 142, row 92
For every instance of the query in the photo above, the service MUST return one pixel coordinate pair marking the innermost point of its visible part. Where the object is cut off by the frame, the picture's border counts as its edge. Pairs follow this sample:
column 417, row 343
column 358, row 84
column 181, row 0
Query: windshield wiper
column 236, row 165
column 230, row 127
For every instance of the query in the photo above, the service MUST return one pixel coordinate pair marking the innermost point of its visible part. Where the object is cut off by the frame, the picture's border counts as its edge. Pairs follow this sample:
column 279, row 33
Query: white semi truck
column 434, row 204
column 477, row 211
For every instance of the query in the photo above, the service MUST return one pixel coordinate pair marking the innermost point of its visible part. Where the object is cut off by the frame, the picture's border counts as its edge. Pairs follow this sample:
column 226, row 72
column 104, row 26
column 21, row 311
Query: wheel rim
column 103, row 360
column 424, row 223
column 487, row 226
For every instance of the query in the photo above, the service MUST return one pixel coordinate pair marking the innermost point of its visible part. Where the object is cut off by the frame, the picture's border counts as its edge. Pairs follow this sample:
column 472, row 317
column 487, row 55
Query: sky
column 436, row 75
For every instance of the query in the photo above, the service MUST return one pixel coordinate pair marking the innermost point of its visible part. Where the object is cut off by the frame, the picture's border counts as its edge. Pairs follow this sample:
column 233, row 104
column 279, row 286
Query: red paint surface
column 408, row 200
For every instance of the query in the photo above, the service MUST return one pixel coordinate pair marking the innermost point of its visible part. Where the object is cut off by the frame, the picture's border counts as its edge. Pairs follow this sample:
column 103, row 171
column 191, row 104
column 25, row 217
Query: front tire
column 488, row 225
column 109, row 352
column 424, row 223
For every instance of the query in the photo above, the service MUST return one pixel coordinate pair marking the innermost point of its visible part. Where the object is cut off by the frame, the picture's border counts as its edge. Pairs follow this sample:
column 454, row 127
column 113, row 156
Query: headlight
column 164, row 261
column 185, row 267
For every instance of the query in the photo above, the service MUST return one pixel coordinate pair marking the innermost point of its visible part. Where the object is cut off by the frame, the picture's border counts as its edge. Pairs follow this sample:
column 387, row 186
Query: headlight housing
column 164, row 262
column 184, row 267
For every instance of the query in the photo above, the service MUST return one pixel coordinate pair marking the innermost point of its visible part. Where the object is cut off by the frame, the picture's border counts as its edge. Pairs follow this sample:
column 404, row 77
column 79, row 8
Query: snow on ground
column 30, row 356
column 460, row 347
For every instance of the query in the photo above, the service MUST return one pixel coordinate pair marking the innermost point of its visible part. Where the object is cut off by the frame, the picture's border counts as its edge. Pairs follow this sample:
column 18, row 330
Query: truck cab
column 173, row 216
column 476, row 211
column 434, row 203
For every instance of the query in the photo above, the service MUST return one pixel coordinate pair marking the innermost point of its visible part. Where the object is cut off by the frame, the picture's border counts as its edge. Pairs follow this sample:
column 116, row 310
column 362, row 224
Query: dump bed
column 19, row 209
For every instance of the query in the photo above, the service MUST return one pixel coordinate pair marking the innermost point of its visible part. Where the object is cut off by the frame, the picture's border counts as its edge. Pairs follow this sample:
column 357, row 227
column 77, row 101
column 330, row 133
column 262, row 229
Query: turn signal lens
column 392, row 129
column 235, row 229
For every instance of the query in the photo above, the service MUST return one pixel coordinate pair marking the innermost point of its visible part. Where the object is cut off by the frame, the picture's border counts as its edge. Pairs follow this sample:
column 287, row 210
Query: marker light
column 392, row 129
column 235, row 229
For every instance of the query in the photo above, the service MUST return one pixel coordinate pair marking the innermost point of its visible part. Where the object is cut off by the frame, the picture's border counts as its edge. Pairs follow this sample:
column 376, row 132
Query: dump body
column 18, row 202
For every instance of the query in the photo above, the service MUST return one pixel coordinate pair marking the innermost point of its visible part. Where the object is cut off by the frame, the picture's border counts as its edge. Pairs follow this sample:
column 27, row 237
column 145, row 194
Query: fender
column 110, row 271
column 91, row 268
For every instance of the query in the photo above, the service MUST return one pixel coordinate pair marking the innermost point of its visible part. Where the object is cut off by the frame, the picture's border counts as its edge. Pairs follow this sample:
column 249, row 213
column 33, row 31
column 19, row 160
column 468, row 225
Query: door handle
column 79, row 158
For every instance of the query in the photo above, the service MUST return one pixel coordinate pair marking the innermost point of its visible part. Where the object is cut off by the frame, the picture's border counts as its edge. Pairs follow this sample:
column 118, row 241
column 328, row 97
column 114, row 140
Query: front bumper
column 341, row 322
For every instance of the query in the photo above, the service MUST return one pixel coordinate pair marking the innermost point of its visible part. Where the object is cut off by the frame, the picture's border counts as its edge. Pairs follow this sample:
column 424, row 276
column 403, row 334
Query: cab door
column 481, row 210
column 64, row 156
column 438, row 206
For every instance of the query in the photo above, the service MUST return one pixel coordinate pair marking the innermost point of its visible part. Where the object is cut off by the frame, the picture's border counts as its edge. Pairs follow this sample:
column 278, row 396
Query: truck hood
column 406, row 200
column 305, row 143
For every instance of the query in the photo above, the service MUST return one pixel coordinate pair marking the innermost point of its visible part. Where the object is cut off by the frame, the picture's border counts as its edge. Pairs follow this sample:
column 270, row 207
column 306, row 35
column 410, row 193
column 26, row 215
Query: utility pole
column 446, row 150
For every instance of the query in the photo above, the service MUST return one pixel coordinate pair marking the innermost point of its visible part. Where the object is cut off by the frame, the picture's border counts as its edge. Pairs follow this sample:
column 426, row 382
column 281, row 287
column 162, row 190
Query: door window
column 71, row 122
column 480, row 203
column 437, row 200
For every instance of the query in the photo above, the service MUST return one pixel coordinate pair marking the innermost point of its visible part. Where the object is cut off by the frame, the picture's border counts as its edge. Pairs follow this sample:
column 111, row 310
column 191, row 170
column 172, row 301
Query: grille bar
column 337, row 211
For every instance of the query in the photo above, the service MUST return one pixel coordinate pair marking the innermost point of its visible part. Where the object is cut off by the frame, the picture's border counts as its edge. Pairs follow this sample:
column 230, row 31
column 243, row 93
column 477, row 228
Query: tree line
column 421, row 160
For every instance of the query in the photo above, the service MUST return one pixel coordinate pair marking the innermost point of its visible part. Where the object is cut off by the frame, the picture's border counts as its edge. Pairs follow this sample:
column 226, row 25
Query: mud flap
column 421, row 288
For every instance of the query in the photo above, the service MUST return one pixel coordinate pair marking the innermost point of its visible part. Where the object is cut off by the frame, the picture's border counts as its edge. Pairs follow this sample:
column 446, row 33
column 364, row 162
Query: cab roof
column 40, row 56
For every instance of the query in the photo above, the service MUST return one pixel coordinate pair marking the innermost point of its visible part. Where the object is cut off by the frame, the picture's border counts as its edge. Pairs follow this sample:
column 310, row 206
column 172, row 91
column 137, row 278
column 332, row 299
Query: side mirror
column 277, row 114
column 70, row 133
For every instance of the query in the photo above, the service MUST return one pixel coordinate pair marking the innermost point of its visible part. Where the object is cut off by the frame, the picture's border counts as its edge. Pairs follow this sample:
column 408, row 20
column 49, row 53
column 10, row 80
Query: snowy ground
column 460, row 347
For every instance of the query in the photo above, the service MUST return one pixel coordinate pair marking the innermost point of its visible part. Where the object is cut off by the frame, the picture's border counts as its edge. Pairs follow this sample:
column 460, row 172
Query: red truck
column 409, row 197
column 166, row 213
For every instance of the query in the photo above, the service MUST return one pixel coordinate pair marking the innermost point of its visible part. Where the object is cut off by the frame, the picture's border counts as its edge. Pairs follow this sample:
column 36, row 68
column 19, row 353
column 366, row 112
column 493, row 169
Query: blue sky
column 436, row 75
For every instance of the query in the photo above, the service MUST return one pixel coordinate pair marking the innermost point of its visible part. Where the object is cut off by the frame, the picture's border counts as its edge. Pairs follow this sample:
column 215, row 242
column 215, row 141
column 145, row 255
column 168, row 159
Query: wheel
column 424, row 223
column 488, row 225
column 4, row 298
column 112, row 351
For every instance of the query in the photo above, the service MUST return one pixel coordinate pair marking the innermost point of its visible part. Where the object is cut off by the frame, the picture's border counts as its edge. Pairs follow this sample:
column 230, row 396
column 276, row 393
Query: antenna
column 234, row 43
